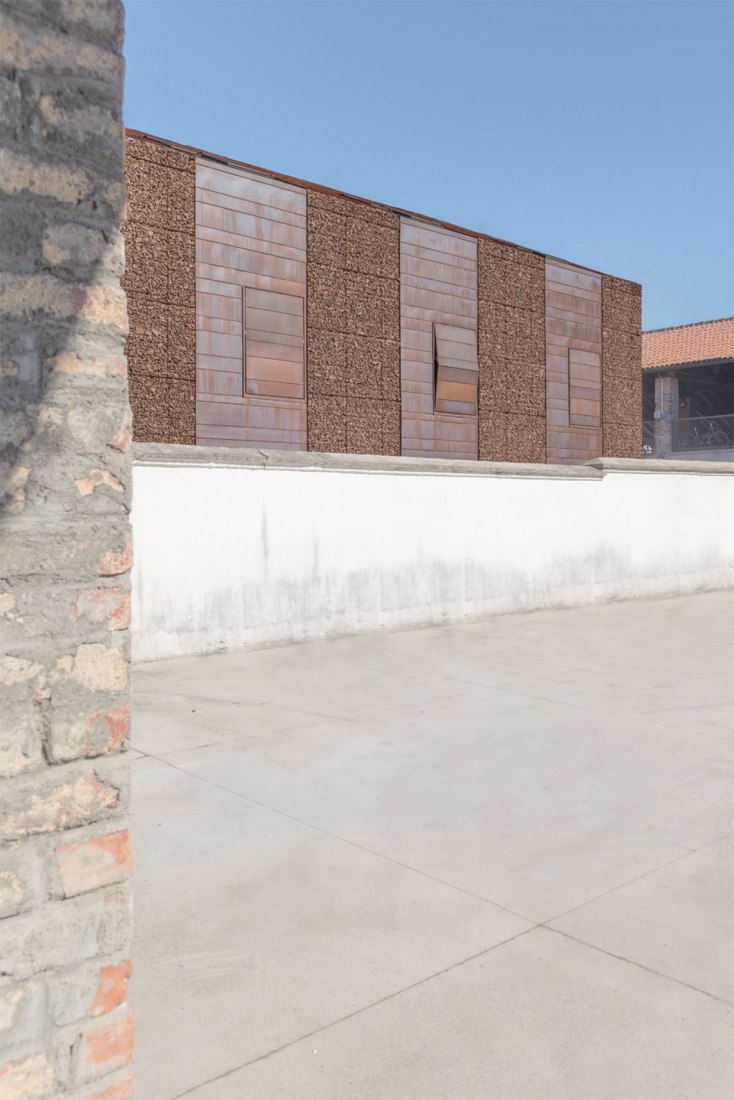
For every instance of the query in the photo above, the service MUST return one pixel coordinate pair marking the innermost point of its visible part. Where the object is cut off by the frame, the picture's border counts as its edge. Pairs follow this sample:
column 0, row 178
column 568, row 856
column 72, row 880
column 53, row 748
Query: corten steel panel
column 159, row 280
column 438, row 286
column 584, row 388
column 573, row 326
column 353, row 325
column 353, row 260
column 251, row 291
column 457, row 370
column 512, row 397
column 274, row 344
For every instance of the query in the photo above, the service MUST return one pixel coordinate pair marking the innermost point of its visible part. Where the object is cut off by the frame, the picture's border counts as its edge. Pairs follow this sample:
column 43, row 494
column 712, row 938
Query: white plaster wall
column 237, row 555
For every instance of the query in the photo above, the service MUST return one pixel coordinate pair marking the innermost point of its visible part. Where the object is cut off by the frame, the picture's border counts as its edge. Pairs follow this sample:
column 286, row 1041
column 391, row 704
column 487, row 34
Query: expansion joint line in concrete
column 438, row 974
column 357, row 1012
column 547, row 925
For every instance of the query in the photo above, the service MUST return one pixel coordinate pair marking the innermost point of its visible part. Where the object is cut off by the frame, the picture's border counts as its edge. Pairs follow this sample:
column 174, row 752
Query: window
column 584, row 388
column 456, row 369
column 274, row 344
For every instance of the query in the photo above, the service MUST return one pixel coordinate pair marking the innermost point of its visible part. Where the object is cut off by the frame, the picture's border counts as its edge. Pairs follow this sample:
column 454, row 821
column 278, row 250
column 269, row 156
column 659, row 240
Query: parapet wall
column 252, row 548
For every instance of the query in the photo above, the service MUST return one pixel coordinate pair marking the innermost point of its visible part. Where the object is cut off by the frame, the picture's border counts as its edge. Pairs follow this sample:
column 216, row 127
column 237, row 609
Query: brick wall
column 65, row 553
column 353, row 326
column 621, row 368
column 511, row 332
column 161, row 291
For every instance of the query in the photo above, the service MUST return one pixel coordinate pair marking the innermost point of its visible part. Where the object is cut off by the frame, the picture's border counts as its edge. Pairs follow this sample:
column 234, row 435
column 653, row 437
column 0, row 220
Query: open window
column 456, row 369
column 274, row 344
column 584, row 388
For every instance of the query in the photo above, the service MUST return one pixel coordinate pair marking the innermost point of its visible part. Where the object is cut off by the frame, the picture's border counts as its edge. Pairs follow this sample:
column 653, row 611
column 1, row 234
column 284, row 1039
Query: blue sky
column 602, row 132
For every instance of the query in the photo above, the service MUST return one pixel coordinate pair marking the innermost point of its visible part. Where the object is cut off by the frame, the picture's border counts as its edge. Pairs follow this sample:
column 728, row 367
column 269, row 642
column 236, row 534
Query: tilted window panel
column 457, row 369
column 584, row 388
column 274, row 344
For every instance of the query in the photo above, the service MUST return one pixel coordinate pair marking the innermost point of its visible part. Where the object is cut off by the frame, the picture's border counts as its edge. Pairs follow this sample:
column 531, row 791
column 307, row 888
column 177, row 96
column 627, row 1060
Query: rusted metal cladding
column 250, row 309
column 438, row 287
column 511, row 353
column 268, row 312
column 573, row 320
column 621, row 368
column 159, row 280
column 353, row 326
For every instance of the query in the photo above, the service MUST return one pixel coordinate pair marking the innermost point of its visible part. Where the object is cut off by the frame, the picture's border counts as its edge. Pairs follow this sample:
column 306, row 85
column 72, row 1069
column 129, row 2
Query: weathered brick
column 115, row 562
column 29, row 1079
column 88, row 989
column 95, row 667
column 22, row 741
column 112, row 988
column 63, row 798
column 62, row 933
column 98, row 861
column 22, row 879
column 110, row 606
column 73, row 736
column 65, row 435
column 104, row 1047
column 22, row 1017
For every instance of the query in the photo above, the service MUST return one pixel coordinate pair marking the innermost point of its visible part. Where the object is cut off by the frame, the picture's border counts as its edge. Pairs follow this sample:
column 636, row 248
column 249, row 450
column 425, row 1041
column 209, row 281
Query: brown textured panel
column 159, row 279
column 621, row 368
column 511, row 326
column 353, row 326
column 258, row 229
column 327, row 423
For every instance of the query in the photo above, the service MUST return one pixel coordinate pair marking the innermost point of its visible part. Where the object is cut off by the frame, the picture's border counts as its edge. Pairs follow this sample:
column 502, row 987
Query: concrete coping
column 661, row 466
column 178, row 454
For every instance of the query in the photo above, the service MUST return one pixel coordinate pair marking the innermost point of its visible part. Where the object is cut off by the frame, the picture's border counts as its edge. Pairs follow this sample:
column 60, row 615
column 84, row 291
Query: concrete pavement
column 481, row 861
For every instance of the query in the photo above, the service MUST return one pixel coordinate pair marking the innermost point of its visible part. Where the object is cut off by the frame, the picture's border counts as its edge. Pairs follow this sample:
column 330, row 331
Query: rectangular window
column 456, row 369
column 584, row 388
column 274, row 342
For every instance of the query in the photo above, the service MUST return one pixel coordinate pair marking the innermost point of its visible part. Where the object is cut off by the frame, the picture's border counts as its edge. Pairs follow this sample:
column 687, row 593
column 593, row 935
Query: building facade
column 271, row 313
column 688, row 391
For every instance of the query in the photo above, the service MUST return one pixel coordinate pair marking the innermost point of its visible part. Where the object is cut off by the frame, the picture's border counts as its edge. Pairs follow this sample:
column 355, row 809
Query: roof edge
column 294, row 180
column 687, row 324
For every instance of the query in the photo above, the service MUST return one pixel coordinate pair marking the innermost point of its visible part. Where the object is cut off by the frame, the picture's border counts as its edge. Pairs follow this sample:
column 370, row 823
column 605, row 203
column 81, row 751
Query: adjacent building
column 269, row 312
column 688, row 391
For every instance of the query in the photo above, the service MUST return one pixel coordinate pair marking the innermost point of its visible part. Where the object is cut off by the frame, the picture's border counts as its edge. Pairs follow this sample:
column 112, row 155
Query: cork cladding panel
column 353, row 324
column 159, row 280
column 511, row 327
column 573, row 326
column 438, row 285
column 621, row 368
column 250, row 309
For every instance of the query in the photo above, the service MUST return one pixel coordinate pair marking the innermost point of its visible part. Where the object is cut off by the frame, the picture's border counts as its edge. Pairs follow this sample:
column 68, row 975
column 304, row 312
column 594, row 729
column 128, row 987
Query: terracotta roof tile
column 701, row 342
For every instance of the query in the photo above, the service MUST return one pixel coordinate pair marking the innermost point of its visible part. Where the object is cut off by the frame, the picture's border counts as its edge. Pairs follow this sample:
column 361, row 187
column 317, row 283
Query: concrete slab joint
column 65, row 557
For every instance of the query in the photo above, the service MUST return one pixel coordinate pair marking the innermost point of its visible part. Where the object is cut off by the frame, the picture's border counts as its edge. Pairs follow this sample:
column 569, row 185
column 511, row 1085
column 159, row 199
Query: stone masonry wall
column 511, row 332
column 621, row 368
column 353, row 326
column 65, row 1029
column 161, row 291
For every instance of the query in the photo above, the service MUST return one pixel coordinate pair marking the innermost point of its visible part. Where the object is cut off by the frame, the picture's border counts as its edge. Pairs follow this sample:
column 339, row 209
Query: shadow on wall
column 63, row 375
column 65, row 553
